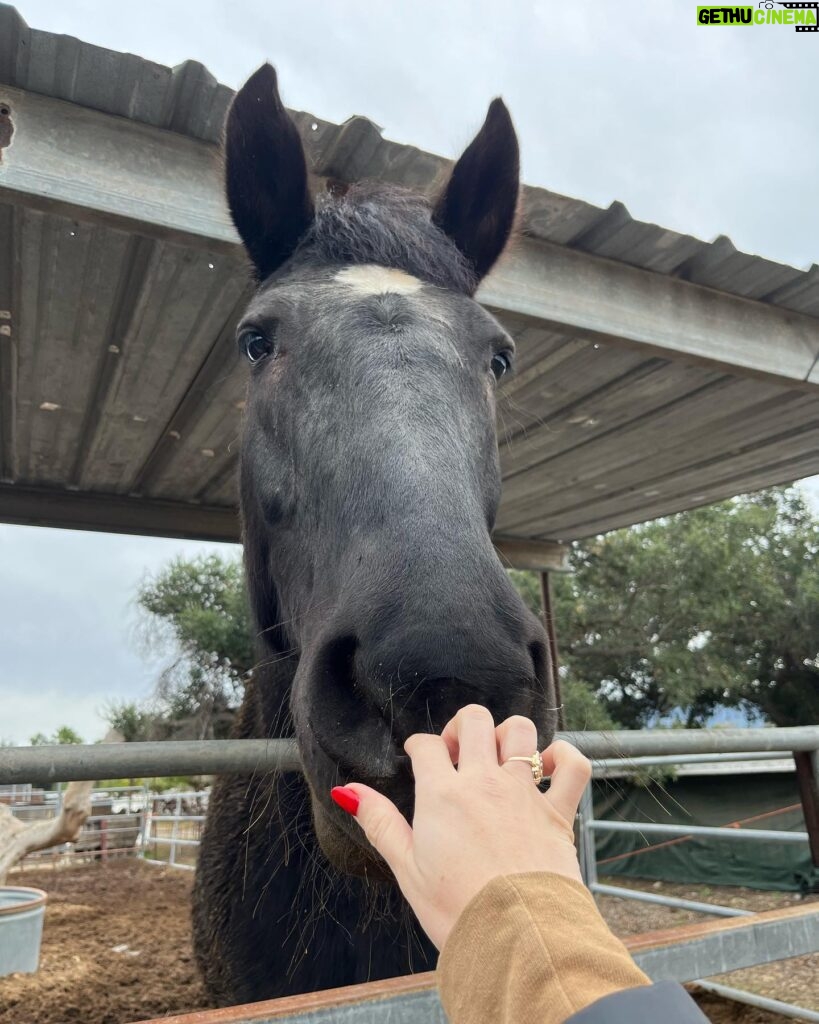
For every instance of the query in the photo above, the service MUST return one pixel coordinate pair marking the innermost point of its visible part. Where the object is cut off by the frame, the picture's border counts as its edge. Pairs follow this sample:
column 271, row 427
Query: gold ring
column 535, row 762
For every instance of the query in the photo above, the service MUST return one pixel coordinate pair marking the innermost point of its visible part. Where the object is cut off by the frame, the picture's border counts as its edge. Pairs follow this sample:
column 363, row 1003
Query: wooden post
column 103, row 841
column 807, row 778
column 551, row 636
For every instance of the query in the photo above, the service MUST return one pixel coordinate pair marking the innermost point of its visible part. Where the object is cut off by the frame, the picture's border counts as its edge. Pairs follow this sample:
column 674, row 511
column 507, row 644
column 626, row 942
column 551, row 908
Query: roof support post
column 807, row 778
column 551, row 638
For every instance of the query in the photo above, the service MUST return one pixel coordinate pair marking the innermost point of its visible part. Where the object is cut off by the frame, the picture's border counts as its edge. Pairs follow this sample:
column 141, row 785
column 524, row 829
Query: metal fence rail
column 631, row 751
column 174, row 810
column 669, row 901
column 760, row 1002
column 209, row 757
column 634, row 763
column 706, row 831
column 759, row 747
column 43, row 765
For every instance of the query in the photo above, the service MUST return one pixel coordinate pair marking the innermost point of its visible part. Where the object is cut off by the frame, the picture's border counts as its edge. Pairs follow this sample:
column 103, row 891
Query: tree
column 64, row 735
column 203, row 603
column 198, row 609
column 132, row 722
column 714, row 607
column 18, row 838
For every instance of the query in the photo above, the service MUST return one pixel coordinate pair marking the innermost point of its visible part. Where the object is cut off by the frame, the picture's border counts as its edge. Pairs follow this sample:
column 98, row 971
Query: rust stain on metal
column 334, row 998
column 6, row 127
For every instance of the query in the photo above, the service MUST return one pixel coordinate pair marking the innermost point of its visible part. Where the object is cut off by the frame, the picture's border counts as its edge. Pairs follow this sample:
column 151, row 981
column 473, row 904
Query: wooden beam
column 533, row 555
column 608, row 301
column 76, row 161
column 110, row 513
column 98, row 167
column 82, row 510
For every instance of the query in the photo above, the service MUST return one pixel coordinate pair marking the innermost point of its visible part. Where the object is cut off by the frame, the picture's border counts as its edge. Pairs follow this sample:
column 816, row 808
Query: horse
column 369, row 482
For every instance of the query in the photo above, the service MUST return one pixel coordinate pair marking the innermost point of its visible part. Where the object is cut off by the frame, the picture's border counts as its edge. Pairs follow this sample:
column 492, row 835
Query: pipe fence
column 170, row 822
column 212, row 757
column 160, row 828
column 755, row 746
column 174, row 827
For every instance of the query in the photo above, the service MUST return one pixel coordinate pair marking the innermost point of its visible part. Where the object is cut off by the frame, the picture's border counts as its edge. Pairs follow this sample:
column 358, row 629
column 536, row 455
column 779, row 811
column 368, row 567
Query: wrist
column 531, row 943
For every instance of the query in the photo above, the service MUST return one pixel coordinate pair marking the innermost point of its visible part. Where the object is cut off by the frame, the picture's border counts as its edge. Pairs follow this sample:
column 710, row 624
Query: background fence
column 174, row 829
column 125, row 821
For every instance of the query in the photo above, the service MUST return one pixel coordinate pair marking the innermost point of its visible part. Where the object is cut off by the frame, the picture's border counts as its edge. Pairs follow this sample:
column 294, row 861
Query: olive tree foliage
column 61, row 736
column 716, row 607
column 195, row 612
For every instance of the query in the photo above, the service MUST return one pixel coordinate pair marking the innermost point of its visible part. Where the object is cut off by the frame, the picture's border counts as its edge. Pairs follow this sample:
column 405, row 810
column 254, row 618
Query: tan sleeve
column 531, row 947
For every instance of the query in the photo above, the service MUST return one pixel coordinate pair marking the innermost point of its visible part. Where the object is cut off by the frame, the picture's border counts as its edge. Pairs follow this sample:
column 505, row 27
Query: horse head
column 369, row 473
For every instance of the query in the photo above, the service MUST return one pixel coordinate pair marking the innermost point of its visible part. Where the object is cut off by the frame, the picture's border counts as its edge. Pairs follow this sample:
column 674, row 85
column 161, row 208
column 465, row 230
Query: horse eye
column 254, row 345
column 500, row 364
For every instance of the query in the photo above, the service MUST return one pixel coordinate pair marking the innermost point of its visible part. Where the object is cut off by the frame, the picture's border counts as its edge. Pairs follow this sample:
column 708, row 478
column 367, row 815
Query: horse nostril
column 339, row 660
column 345, row 720
column 335, row 675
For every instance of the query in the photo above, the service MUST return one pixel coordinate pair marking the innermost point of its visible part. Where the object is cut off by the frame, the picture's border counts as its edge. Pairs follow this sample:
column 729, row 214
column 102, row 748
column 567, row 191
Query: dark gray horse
column 369, row 487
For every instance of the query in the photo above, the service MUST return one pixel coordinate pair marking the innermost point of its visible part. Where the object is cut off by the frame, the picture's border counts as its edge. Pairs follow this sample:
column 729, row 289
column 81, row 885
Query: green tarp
column 758, row 800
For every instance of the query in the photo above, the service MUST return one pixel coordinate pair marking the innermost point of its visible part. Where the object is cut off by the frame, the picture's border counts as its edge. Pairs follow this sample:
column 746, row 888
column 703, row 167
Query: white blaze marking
column 373, row 280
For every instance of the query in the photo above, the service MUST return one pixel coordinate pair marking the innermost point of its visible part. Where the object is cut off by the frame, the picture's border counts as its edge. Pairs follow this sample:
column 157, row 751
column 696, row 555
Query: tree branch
column 18, row 838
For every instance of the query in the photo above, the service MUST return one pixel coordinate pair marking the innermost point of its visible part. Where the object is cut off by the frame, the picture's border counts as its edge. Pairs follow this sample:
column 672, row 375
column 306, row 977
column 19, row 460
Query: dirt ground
column 116, row 948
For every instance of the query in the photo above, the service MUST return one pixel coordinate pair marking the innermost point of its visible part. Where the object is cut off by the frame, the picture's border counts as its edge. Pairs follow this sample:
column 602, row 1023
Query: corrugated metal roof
column 121, row 384
column 188, row 99
column 185, row 99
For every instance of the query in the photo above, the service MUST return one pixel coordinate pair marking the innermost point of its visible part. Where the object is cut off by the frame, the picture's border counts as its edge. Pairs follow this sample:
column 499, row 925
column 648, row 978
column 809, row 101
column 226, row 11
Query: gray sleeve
column 663, row 1003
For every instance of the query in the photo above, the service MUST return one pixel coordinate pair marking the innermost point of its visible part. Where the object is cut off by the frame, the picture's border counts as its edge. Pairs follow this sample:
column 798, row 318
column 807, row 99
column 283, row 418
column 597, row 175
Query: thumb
column 384, row 826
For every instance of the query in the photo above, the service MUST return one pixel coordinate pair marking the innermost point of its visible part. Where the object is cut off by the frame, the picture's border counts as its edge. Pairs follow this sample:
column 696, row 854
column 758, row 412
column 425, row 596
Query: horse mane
column 389, row 226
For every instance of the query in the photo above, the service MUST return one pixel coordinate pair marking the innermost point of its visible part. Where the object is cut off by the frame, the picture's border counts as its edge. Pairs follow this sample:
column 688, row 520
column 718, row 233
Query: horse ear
column 477, row 207
column 266, row 173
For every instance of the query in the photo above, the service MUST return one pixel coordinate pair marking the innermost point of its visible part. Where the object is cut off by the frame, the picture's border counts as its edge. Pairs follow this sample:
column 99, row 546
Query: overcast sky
column 705, row 130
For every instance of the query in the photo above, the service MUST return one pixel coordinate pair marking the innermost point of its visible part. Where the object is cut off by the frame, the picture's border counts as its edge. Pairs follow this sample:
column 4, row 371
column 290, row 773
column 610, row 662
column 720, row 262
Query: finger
column 384, row 826
column 430, row 759
column 570, row 772
column 470, row 738
column 516, row 737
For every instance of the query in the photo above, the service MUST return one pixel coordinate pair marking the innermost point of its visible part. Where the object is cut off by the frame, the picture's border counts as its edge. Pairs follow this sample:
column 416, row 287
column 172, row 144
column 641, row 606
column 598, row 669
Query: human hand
column 473, row 823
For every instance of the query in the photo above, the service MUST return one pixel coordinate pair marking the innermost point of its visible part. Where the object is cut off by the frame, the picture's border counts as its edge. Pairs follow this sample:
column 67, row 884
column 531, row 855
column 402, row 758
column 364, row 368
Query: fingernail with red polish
column 346, row 799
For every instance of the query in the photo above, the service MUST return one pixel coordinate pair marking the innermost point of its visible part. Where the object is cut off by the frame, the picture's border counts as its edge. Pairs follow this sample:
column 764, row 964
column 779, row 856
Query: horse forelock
column 387, row 226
